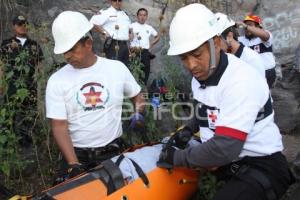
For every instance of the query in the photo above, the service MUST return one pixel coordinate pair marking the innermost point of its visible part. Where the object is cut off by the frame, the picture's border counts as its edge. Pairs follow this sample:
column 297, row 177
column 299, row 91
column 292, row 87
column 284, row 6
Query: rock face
column 286, row 97
column 282, row 18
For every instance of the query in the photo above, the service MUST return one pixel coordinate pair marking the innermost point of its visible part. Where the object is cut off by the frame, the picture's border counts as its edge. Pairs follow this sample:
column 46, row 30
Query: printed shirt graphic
column 212, row 118
column 92, row 96
column 91, row 99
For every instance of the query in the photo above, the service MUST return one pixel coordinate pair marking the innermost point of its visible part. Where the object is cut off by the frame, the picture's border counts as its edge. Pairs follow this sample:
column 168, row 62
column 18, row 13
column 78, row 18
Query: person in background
column 113, row 23
column 230, row 44
column 141, row 43
column 233, row 114
column 84, row 98
column 21, row 57
column 261, row 41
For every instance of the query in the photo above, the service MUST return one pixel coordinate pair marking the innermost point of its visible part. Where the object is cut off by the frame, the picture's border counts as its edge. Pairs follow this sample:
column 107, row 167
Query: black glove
column 166, row 157
column 74, row 170
column 182, row 137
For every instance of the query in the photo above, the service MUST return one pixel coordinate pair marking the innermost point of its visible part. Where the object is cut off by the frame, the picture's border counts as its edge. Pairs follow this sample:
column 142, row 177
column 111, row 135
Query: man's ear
column 229, row 36
column 217, row 41
column 89, row 43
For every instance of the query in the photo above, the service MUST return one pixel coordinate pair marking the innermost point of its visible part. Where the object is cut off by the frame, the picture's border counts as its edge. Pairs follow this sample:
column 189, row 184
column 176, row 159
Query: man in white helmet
column 234, row 114
column 230, row 44
column 84, row 98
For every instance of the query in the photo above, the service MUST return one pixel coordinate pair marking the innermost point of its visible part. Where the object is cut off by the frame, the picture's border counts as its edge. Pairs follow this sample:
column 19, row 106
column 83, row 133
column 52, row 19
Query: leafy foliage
column 208, row 186
column 25, row 142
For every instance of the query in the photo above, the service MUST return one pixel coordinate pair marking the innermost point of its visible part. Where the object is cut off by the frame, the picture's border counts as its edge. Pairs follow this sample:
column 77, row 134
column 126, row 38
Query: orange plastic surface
column 94, row 190
column 177, row 184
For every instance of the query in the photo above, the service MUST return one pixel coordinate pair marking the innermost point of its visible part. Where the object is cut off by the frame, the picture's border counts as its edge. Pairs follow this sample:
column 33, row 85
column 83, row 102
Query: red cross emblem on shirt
column 212, row 116
column 92, row 97
column 257, row 48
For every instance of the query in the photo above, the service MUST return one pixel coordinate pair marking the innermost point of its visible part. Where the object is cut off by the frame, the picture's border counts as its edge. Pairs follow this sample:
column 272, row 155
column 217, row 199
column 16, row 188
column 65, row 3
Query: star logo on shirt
column 92, row 97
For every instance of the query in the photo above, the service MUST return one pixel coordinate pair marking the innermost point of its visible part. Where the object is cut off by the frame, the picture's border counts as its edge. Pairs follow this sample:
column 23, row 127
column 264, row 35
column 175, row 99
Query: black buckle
column 234, row 168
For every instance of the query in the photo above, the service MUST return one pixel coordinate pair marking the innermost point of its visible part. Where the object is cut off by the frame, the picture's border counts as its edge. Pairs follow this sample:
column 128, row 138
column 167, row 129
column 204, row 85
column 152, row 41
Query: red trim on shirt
column 230, row 132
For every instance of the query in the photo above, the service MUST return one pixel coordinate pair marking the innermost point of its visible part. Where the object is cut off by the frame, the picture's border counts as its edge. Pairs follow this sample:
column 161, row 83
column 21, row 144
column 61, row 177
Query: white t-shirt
column 263, row 48
column 115, row 22
column 233, row 105
column 142, row 34
column 251, row 57
column 22, row 40
column 91, row 100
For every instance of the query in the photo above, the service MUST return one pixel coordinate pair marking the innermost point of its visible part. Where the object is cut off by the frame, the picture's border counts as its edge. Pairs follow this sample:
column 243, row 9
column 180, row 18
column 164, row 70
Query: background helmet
column 253, row 18
column 224, row 22
column 192, row 26
column 67, row 29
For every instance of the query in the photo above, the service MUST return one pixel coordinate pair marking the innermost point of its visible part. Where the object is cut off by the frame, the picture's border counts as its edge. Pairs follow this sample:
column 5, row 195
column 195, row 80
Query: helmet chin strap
column 212, row 59
column 88, row 34
column 229, row 47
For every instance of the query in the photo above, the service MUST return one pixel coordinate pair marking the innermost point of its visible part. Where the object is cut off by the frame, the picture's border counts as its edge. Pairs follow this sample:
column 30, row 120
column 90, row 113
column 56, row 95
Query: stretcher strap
column 138, row 169
column 109, row 174
column 119, row 160
column 116, row 178
column 71, row 185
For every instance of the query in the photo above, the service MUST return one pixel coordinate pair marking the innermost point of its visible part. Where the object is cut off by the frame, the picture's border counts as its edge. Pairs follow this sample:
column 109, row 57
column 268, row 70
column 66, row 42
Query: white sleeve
column 55, row 104
column 255, row 60
column 270, row 40
column 241, row 103
column 99, row 19
column 131, row 87
column 153, row 31
column 259, row 65
column 131, row 26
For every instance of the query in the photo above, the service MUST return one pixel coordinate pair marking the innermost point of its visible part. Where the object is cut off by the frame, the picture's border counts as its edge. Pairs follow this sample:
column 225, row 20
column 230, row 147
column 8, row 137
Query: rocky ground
column 292, row 147
column 286, row 95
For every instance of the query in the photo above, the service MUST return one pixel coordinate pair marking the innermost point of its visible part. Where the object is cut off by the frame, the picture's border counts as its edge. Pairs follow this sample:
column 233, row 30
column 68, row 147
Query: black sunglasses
column 22, row 23
column 116, row 0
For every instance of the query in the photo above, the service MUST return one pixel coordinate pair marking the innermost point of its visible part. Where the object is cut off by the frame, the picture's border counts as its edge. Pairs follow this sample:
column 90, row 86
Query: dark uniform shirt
column 20, row 62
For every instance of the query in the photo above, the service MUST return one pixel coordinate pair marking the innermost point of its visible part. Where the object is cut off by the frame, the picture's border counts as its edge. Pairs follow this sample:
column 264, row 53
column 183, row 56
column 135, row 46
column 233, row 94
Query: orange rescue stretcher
column 176, row 184
column 105, row 182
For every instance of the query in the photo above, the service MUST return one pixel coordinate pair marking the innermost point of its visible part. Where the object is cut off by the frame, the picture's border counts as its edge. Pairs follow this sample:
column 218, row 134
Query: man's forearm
column 262, row 34
column 218, row 151
column 139, row 103
column 155, row 41
column 130, row 34
column 101, row 30
column 63, row 140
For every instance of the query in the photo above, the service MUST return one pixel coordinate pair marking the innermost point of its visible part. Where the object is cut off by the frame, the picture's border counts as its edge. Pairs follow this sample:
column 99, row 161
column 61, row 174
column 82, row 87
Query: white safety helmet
column 224, row 22
column 67, row 29
column 192, row 26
